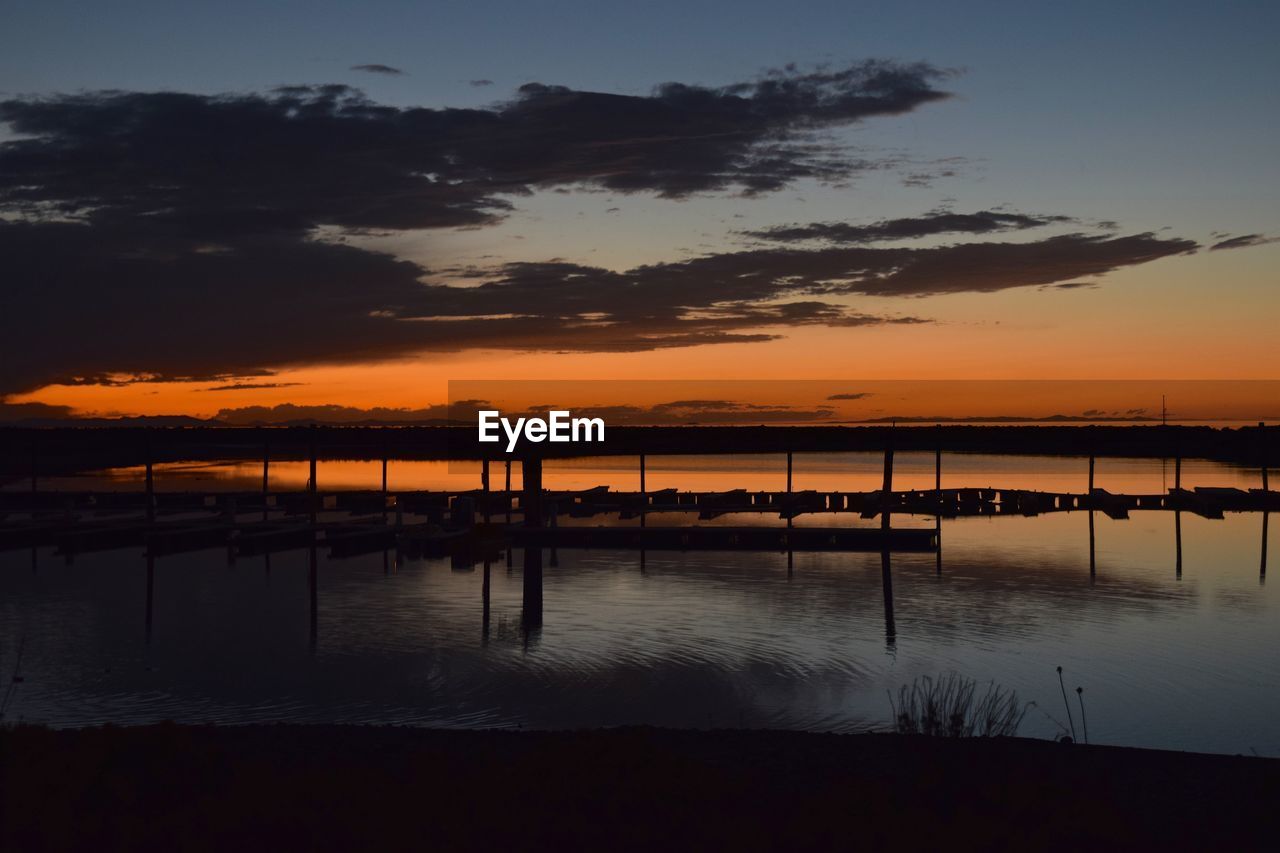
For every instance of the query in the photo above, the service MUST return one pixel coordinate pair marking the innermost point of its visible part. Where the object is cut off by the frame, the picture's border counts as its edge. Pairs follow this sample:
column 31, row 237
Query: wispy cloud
column 1243, row 242
column 377, row 68
column 926, row 225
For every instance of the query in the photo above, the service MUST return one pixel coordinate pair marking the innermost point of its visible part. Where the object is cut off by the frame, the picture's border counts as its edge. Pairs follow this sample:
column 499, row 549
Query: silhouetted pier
column 367, row 520
column 362, row 521
column 477, row 526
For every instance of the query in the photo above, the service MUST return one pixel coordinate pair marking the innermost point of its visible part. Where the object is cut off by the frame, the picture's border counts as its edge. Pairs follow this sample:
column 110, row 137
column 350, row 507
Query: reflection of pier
column 776, row 539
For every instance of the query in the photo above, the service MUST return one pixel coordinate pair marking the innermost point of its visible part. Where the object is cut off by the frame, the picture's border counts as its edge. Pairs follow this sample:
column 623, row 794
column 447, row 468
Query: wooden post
column 1262, row 440
column 886, row 582
column 266, row 471
column 886, row 492
column 311, row 480
column 644, row 496
column 384, row 485
column 1091, row 463
column 937, row 518
column 531, row 496
column 1177, row 473
column 788, row 472
column 484, row 484
column 151, row 483
column 507, row 489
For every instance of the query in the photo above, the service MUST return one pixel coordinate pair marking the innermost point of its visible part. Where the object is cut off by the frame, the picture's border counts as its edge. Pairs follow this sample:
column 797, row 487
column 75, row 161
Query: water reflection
column 791, row 639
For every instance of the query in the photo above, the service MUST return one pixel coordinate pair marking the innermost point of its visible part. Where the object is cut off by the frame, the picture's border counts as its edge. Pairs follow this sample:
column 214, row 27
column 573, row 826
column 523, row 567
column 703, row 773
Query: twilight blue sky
column 1160, row 118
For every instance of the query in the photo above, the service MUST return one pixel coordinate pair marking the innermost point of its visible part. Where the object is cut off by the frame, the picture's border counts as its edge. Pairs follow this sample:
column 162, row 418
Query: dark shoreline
column 66, row 450
column 360, row 787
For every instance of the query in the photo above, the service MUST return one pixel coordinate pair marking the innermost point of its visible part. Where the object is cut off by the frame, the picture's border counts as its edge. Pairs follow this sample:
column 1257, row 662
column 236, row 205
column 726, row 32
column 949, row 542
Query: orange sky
column 1155, row 322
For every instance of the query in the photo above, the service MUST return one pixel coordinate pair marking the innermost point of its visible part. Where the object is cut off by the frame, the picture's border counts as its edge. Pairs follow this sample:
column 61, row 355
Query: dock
column 359, row 521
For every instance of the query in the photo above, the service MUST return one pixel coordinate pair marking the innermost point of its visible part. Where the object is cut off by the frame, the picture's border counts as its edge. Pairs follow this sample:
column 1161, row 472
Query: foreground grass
column 318, row 788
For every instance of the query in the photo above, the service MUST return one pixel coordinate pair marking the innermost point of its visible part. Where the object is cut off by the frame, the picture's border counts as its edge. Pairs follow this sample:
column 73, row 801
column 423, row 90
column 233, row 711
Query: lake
column 1181, row 660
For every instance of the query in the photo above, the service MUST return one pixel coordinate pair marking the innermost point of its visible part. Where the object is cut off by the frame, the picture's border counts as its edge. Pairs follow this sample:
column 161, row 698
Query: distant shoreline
column 48, row 452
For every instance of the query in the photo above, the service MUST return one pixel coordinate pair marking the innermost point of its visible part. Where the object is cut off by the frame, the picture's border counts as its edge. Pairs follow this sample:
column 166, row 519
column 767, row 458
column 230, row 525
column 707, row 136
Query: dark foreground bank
column 307, row 788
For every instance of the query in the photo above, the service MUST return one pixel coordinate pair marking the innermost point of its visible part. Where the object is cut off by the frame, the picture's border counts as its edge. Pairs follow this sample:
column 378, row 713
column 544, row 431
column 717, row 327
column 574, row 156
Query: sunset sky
column 217, row 207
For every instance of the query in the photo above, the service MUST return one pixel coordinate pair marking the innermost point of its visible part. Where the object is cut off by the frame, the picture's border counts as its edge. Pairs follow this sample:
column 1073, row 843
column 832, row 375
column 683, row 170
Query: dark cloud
column 1243, row 241
column 377, row 68
column 252, row 386
column 289, row 413
column 935, row 222
column 28, row 412
column 272, row 300
column 119, row 380
column 857, row 395
column 684, row 412
column 174, row 237
column 465, row 411
column 481, row 82
column 304, row 156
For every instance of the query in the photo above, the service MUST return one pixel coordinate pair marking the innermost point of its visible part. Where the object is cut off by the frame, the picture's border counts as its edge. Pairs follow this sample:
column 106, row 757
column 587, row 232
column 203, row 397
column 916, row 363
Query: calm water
column 695, row 639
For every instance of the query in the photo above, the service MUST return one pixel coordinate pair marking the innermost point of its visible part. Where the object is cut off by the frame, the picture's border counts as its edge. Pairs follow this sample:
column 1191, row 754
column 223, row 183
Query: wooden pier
column 359, row 521
column 365, row 520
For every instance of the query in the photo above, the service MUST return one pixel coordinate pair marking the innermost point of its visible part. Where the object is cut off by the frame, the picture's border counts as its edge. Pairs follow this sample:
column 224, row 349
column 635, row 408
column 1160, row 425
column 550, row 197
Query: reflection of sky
column 695, row 639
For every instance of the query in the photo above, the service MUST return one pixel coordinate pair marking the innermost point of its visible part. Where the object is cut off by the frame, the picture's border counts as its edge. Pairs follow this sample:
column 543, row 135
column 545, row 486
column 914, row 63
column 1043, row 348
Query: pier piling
column 937, row 519
column 151, row 493
column 266, row 472
column 311, row 479
column 886, row 491
column 531, row 495
column 644, row 493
